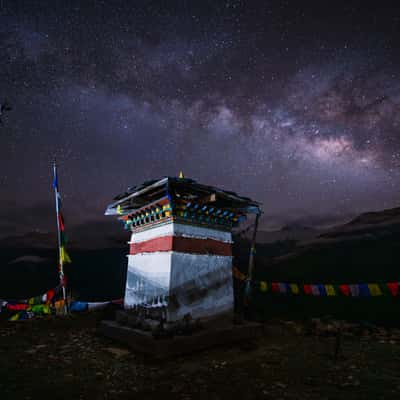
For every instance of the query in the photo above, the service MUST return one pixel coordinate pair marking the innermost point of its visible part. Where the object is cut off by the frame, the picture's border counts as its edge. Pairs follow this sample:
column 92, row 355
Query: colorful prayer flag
column 64, row 256
column 315, row 290
column 274, row 287
column 330, row 290
column 50, row 295
column 321, row 288
column 364, row 290
column 374, row 289
column 60, row 222
column 354, row 290
column 55, row 179
column 263, row 286
column 393, row 288
column 307, row 289
column 345, row 290
column 282, row 287
column 15, row 317
column 294, row 287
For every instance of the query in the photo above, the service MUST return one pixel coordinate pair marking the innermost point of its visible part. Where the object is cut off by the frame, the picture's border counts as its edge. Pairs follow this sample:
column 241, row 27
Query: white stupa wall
column 192, row 265
column 148, row 276
column 201, row 285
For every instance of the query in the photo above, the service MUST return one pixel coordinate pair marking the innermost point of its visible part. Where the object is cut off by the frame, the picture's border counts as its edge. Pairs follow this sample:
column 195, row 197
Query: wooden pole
column 253, row 248
column 251, row 260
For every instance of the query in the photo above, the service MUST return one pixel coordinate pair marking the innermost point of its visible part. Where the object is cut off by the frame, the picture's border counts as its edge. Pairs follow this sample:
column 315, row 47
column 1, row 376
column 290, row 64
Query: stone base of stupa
column 216, row 332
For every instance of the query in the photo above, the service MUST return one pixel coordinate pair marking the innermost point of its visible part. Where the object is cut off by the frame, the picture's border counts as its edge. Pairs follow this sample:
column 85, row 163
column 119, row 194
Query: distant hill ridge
column 370, row 222
column 288, row 232
column 92, row 235
column 106, row 234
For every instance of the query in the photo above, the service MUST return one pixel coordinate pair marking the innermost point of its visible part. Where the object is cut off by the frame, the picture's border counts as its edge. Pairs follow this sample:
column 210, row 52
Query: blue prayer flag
column 55, row 178
column 322, row 289
column 364, row 290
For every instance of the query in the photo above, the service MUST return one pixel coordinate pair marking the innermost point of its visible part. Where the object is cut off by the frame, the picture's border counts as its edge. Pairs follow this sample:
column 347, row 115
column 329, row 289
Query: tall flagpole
column 60, row 257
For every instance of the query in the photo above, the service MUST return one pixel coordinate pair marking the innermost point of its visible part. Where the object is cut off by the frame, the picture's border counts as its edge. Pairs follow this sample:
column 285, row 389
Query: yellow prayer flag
column 374, row 289
column 15, row 317
column 263, row 286
column 46, row 309
column 31, row 301
column 64, row 256
column 119, row 210
column 294, row 288
column 330, row 290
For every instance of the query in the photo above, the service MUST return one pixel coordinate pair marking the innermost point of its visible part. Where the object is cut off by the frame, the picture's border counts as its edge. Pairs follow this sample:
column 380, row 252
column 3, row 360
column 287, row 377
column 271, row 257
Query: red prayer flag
column 393, row 287
column 61, row 221
column 274, row 287
column 17, row 307
column 345, row 289
column 50, row 295
column 308, row 289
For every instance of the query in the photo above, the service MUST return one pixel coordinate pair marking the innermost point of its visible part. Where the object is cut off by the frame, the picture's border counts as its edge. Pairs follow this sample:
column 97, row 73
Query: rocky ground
column 60, row 358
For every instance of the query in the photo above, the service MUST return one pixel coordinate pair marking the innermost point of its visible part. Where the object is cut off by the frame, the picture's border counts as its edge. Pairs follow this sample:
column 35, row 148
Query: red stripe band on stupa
column 182, row 245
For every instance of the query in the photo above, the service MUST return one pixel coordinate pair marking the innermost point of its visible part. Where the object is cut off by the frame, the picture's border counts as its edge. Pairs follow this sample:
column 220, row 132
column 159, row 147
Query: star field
column 295, row 106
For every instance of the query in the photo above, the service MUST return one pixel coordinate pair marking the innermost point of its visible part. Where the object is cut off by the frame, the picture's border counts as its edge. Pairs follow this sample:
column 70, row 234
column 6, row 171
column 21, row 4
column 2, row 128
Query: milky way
column 297, row 107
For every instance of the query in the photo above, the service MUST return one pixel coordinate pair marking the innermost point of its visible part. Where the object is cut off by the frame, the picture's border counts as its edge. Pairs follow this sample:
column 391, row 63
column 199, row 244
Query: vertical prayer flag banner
column 64, row 256
column 55, row 179
column 60, row 221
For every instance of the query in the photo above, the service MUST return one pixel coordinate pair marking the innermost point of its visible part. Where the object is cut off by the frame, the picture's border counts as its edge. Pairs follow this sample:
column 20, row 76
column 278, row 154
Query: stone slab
column 143, row 341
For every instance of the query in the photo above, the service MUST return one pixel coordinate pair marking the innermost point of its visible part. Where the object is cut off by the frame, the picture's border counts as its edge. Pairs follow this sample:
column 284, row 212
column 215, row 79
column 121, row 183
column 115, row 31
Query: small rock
column 117, row 352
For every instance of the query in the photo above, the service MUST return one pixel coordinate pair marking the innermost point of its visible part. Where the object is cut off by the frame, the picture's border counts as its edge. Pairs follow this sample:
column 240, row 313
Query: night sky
column 296, row 106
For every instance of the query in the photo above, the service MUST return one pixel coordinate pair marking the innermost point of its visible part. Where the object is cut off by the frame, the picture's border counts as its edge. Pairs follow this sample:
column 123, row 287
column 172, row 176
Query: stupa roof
column 182, row 190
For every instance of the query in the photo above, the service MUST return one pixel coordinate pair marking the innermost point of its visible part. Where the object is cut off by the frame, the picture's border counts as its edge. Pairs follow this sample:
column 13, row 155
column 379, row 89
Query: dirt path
column 65, row 358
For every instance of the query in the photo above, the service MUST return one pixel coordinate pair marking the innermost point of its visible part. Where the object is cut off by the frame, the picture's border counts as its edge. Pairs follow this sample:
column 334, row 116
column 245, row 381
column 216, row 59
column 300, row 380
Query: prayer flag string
column 324, row 289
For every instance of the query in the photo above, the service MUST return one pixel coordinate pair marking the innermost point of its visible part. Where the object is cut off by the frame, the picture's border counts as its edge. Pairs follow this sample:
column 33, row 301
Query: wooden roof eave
column 208, row 190
column 112, row 208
